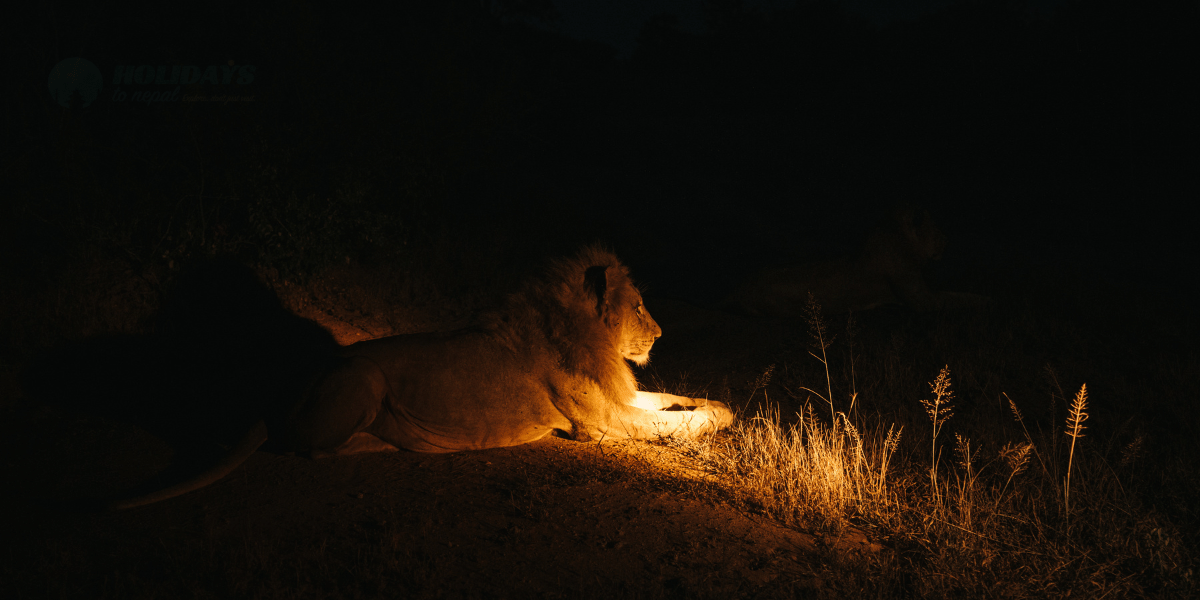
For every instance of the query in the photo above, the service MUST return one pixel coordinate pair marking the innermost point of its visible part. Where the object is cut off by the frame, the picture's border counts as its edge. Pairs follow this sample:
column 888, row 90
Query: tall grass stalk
column 1075, row 418
column 939, row 410
column 1016, row 457
column 965, row 484
column 1019, row 418
column 818, row 330
column 850, row 332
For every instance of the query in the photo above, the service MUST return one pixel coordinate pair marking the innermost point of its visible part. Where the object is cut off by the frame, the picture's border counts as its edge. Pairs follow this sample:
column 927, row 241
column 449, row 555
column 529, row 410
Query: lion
column 887, row 270
column 554, row 358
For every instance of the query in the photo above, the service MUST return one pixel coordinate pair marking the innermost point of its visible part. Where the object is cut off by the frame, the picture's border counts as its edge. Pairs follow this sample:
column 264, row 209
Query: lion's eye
column 639, row 310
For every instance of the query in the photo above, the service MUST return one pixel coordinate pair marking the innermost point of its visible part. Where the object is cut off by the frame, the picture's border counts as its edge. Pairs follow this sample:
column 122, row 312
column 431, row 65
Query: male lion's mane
column 557, row 313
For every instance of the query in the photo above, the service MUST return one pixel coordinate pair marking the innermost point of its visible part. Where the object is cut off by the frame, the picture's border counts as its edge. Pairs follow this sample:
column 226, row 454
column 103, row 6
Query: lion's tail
column 234, row 458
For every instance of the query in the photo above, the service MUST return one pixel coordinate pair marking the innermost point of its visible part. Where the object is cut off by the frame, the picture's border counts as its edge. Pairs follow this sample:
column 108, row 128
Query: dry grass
column 1043, row 515
column 989, row 523
column 806, row 474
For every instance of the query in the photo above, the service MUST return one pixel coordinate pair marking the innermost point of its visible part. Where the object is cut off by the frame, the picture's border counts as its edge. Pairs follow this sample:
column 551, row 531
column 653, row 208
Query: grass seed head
column 1017, row 416
column 1016, row 456
column 817, row 327
column 1078, row 414
column 1132, row 451
column 939, row 408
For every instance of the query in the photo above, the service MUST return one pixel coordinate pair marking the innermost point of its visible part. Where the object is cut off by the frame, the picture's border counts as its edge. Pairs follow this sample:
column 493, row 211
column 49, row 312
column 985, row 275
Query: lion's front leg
column 627, row 421
column 659, row 401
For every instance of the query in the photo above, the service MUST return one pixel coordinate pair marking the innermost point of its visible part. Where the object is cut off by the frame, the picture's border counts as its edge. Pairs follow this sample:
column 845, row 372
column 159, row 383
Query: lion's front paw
column 718, row 412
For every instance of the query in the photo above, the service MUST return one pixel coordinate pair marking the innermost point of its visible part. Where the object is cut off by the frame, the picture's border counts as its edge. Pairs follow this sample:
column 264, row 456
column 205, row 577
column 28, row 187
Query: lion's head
column 589, row 313
column 638, row 332
column 619, row 305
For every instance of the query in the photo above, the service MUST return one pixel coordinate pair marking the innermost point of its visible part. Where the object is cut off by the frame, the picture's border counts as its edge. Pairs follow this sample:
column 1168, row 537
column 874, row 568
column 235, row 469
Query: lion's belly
column 451, row 393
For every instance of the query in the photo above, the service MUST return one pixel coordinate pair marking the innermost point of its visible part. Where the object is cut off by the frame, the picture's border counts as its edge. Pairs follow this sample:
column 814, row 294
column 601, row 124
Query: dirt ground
column 554, row 518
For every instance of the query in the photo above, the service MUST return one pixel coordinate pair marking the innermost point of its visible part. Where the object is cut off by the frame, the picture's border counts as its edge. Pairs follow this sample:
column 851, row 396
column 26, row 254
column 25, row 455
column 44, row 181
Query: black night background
column 201, row 202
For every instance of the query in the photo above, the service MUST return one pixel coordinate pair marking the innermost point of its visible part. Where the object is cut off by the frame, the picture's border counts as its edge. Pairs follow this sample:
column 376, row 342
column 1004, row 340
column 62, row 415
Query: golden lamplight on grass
column 1008, row 503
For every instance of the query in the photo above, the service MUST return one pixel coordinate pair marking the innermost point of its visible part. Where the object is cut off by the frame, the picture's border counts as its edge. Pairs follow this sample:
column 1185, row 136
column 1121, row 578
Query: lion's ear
column 595, row 280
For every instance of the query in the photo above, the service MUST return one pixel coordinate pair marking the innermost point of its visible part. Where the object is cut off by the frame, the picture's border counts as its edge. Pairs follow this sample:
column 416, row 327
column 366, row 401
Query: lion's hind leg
column 342, row 403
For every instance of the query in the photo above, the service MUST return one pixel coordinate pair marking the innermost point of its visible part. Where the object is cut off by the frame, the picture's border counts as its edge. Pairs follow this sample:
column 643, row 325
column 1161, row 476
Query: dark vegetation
column 429, row 152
